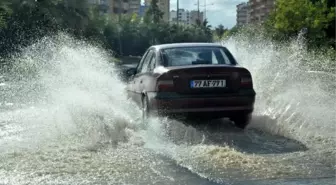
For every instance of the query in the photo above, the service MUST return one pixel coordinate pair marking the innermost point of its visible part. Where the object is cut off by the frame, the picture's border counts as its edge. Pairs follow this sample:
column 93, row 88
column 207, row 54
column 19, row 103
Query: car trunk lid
column 206, row 79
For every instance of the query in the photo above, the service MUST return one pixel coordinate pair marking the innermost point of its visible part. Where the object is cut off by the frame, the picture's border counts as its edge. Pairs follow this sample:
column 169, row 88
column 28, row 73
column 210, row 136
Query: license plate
column 208, row 83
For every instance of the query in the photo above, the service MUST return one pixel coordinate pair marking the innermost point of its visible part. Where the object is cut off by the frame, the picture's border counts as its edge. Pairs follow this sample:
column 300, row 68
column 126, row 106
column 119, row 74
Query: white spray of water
column 74, row 100
column 300, row 100
column 292, row 101
column 73, row 93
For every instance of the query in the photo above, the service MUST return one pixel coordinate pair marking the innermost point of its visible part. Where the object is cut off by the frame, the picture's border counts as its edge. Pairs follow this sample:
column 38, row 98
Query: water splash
column 70, row 109
column 69, row 90
column 292, row 101
column 288, row 91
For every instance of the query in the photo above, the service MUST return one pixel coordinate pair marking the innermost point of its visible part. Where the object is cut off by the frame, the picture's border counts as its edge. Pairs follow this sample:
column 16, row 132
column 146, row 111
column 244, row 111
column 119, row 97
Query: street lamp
column 205, row 5
column 177, row 11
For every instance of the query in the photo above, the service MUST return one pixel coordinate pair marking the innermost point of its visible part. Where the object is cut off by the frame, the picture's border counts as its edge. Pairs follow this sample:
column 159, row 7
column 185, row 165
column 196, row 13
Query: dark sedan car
column 199, row 80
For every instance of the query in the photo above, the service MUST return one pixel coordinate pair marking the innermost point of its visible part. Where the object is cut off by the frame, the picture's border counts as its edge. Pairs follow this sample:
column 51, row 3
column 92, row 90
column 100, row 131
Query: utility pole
column 204, row 14
column 120, row 10
column 198, row 10
column 177, row 11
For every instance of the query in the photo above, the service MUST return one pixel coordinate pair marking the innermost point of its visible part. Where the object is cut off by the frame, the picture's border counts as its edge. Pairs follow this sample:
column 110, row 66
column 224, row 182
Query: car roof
column 190, row 44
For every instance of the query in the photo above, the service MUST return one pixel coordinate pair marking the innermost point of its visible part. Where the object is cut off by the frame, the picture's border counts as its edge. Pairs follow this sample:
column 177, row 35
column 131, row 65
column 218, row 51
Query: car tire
column 241, row 121
column 144, row 109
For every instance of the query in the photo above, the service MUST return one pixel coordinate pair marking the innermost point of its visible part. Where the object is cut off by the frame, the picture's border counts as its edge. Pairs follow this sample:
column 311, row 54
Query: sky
column 218, row 11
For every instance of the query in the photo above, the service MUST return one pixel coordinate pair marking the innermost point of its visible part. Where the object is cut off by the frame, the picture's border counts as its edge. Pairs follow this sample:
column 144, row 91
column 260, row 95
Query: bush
column 22, row 22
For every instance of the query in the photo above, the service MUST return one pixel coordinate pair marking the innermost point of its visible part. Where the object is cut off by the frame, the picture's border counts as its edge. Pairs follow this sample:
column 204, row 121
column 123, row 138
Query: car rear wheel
column 241, row 121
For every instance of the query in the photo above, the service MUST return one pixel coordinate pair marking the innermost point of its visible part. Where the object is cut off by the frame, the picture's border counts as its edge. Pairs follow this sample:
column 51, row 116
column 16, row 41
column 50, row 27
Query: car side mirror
column 130, row 72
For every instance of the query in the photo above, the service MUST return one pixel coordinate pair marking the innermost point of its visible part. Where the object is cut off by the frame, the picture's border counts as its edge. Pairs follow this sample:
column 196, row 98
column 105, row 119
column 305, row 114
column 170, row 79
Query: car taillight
column 246, row 81
column 165, row 86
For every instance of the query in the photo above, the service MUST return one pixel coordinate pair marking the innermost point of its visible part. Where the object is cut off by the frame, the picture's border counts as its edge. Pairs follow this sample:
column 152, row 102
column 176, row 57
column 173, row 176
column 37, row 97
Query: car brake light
column 246, row 81
column 165, row 86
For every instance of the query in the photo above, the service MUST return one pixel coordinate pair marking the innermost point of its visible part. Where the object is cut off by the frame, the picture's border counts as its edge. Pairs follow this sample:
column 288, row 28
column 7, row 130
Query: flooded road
column 64, row 119
column 192, row 156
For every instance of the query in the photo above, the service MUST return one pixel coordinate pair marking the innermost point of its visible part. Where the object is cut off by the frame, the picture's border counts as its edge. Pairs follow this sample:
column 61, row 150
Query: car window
column 152, row 63
column 146, row 61
column 214, row 59
column 141, row 62
column 195, row 55
column 225, row 57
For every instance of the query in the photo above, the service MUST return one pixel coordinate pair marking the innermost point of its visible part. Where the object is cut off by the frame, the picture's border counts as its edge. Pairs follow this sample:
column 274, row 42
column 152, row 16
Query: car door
column 146, row 79
column 131, row 86
column 139, row 77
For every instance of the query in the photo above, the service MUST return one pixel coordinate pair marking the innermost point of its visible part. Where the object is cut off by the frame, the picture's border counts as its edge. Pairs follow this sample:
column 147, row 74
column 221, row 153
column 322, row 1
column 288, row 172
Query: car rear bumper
column 225, row 105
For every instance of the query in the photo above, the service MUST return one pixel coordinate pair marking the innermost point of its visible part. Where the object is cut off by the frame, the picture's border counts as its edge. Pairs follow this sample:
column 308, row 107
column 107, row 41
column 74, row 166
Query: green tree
column 204, row 26
column 330, row 30
column 220, row 30
column 291, row 16
column 5, row 11
column 153, row 14
column 29, row 20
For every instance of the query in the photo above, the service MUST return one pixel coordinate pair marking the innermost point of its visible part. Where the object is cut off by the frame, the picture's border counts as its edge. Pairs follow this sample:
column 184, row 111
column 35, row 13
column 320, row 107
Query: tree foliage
column 293, row 15
column 204, row 26
column 220, row 30
column 315, row 18
column 154, row 14
column 24, row 21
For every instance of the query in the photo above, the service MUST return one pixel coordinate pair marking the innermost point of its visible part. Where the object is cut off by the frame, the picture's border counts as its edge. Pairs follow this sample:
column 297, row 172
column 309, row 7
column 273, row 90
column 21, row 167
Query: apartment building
column 186, row 17
column 117, row 6
column 164, row 6
column 183, row 16
column 242, row 14
column 196, row 15
column 104, row 5
column 134, row 6
column 259, row 10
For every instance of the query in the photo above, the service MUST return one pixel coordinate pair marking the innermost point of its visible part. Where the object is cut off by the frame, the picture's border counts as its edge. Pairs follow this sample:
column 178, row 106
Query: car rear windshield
column 181, row 56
